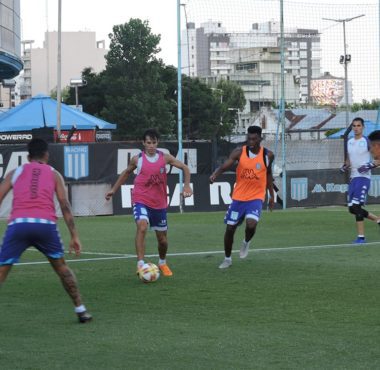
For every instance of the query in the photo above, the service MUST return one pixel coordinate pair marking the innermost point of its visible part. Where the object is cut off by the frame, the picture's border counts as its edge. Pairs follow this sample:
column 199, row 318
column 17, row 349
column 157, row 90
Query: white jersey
column 358, row 154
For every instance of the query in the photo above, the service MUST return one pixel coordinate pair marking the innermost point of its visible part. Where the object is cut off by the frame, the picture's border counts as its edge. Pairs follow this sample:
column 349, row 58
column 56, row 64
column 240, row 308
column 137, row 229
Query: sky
column 236, row 15
column 91, row 15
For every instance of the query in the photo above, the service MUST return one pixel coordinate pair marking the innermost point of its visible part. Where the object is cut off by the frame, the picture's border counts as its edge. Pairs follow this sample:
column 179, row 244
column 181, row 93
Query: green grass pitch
column 303, row 299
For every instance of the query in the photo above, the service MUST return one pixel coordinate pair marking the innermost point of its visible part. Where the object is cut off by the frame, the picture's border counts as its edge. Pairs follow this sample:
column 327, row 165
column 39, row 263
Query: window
column 303, row 45
column 246, row 66
column 303, row 54
column 6, row 17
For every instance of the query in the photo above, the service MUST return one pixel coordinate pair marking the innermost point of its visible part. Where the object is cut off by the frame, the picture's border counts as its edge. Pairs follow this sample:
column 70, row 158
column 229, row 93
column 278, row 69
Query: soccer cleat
column 225, row 264
column 165, row 269
column 84, row 317
column 359, row 241
column 244, row 249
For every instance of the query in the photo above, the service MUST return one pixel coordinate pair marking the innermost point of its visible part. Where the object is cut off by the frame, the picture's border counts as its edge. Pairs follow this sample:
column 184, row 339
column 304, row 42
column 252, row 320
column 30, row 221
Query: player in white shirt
column 360, row 165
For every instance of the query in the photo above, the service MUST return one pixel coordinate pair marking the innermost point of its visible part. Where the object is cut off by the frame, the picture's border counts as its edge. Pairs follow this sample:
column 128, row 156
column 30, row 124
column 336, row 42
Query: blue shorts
column 156, row 218
column 238, row 211
column 358, row 190
column 20, row 236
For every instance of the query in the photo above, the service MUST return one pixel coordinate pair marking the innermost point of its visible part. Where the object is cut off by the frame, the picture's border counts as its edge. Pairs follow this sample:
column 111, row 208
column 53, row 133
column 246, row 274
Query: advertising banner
column 102, row 163
column 78, row 136
column 314, row 188
column 15, row 137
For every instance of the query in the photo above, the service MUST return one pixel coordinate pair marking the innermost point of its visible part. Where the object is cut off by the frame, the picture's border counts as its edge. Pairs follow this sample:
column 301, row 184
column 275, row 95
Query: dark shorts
column 358, row 190
column 238, row 211
column 20, row 236
column 156, row 218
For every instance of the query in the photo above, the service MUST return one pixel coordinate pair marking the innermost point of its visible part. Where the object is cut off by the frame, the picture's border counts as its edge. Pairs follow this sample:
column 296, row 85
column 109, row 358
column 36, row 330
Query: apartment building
column 79, row 50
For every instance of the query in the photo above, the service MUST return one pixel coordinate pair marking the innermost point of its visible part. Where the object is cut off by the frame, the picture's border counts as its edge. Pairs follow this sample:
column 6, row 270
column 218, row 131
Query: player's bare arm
column 6, row 186
column 123, row 177
column 270, row 180
column 169, row 159
column 75, row 244
column 234, row 156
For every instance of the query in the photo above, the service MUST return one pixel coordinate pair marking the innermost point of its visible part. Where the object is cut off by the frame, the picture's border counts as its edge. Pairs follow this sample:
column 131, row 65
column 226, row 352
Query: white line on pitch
column 262, row 250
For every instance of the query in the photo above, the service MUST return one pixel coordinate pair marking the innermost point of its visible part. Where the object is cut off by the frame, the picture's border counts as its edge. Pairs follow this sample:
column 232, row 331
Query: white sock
column 162, row 262
column 140, row 263
column 229, row 259
column 361, row 236
column 80, row 309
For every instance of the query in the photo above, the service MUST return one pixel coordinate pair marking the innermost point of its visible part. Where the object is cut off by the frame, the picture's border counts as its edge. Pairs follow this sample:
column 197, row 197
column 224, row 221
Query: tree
column 205, row 114
column 91, row 96
column 135, row 95
column 64, row 93
column 233, row 101
column 366, row 105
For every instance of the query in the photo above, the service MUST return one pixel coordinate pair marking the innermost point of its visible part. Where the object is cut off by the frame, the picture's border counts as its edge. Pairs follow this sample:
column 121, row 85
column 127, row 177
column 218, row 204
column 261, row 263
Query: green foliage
column 135, row 94
column 65, row 93
column 200, row 109
column 331, row 131
column 205, row 109
column 374, row 104
column 91, row 96
column 232, row 101
column 137, row 91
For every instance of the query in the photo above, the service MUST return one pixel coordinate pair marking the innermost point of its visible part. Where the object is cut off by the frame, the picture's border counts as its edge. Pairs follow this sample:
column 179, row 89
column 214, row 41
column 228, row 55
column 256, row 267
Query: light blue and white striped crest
column 374, row 190
column 76, row 161
column 298, row 188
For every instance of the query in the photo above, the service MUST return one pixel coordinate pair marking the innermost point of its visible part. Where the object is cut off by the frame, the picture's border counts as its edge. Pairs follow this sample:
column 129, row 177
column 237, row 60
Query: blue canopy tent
column 41, row 112
column 368, row 128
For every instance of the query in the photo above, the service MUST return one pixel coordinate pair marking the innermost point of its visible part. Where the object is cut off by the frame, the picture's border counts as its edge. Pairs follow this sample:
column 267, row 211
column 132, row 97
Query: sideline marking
column 114, row 256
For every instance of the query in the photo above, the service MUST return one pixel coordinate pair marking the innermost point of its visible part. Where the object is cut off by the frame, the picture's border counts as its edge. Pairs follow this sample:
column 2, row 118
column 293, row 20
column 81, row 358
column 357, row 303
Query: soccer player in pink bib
column 149, row 195
column 32, row 221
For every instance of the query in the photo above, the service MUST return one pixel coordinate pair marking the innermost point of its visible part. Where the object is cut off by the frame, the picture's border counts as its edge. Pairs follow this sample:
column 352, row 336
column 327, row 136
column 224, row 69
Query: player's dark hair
column 254, row 130
column 152, row 133
column 374, row 136
column 361, row 120
column 37, row 148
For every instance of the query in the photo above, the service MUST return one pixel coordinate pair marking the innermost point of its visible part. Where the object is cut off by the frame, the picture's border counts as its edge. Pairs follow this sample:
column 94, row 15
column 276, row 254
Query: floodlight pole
column 59, row 70
column 76, row 97
column 179, row 102
column 282, row 106
column 378, row 46
column 345, row 60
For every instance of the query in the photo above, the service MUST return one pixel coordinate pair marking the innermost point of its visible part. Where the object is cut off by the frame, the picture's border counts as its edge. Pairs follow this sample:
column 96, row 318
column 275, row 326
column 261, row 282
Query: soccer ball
column 149, row 273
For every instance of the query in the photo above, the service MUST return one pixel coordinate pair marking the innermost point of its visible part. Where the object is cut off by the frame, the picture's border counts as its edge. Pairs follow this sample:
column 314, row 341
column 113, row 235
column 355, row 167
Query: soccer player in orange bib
column 253, row 179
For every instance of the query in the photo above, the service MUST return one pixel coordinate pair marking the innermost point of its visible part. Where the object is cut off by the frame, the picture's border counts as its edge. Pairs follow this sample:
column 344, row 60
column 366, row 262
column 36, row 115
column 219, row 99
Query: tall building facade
column 10, row 47
column 252, row 59
column 10, row 50
column 79, row 50
column 303, row 58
